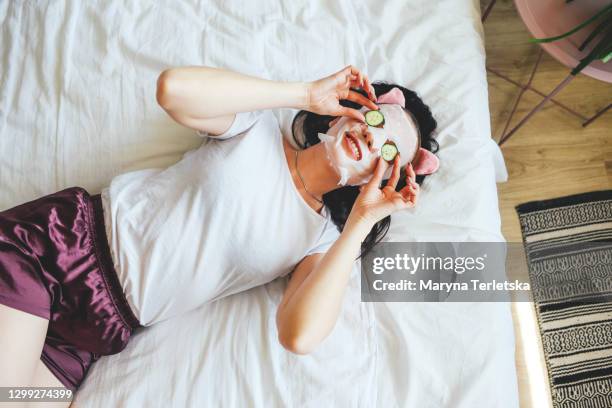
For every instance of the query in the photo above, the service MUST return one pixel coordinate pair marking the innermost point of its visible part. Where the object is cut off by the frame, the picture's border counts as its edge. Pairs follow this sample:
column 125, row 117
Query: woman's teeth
column 353, row 145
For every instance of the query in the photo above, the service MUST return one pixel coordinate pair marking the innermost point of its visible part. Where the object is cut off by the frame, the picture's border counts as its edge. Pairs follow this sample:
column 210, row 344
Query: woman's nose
column 369, row 140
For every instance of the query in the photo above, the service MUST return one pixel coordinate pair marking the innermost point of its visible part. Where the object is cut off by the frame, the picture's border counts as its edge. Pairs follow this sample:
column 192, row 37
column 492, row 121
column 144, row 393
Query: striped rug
column 568, row 242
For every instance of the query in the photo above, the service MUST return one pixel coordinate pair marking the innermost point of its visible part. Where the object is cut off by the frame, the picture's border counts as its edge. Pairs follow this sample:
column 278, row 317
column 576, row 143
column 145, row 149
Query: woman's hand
column 325, row 94
column 374, row 203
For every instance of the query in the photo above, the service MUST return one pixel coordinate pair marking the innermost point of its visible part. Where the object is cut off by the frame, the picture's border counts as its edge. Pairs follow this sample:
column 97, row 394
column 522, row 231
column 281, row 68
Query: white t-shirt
column 225, row 218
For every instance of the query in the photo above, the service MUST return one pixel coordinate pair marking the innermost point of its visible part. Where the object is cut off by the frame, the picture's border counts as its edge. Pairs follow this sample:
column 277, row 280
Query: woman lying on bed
column 243, row 209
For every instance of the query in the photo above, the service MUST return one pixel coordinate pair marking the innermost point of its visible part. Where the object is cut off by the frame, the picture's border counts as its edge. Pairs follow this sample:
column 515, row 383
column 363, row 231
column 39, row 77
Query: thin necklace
column 302, row 180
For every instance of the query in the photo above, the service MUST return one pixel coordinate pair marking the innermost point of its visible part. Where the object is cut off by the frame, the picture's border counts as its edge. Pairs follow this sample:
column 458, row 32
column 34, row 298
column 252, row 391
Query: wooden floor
column 551, row 156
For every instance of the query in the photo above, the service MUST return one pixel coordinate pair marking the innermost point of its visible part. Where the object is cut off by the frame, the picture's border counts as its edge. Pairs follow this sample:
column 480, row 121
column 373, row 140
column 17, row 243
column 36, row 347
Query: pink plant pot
column 548, row 18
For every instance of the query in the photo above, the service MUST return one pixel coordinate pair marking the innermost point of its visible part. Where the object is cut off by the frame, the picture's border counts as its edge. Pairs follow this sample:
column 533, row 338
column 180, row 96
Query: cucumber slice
column 388, row 151
column 374, row 118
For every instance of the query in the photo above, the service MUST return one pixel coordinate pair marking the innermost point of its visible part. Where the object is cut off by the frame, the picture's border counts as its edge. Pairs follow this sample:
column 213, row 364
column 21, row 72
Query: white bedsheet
column 77, row 106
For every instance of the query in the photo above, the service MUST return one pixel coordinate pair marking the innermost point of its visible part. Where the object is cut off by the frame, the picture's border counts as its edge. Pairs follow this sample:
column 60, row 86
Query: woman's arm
column 313, row 298
column 207, row 99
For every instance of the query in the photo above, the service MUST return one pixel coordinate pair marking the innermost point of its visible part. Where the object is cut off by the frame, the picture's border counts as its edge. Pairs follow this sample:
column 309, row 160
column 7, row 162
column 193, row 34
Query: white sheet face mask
column 346, row 144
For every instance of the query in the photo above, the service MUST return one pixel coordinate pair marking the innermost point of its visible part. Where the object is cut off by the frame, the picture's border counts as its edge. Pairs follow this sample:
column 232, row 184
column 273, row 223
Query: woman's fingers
column 379, row 171
column 346, row 73
column 407, row 196
column 369, row 88
column 359, row 75
column 362, row 100
column 395, row 174
column 350, row 70
column 401, row 203
column 410, row 193
column 394, row 201
column 351, row 113
column 410, row 174
column 360, row 80
column 397, row 202
column 356, row 82
column 352, row 73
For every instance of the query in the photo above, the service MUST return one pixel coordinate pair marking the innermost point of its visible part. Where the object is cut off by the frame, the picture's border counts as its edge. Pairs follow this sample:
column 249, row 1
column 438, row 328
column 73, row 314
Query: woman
column 79, row 273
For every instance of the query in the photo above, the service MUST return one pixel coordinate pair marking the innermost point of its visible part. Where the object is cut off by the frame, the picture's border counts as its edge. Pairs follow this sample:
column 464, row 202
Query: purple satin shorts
column 55, row 263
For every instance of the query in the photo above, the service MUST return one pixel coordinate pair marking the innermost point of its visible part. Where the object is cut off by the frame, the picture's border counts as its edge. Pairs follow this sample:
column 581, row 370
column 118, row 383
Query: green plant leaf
column 602, row 46
column 604, row 24
column 607, row 57
column 604, row 53
column 607, row 44
column 580, row 26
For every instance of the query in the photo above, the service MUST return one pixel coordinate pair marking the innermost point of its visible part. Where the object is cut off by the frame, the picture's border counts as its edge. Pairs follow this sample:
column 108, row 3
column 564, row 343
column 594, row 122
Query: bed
column 77, row 107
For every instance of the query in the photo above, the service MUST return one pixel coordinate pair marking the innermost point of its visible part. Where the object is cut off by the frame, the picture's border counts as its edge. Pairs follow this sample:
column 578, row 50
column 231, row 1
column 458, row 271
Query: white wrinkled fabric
column 77, row 107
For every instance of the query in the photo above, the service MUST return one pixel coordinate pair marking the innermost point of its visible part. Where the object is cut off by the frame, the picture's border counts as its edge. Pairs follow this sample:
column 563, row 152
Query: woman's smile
column 351, row 146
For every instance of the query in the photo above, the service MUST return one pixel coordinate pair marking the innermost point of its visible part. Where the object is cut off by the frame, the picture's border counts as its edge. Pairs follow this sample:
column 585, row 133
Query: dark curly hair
column 305, row 128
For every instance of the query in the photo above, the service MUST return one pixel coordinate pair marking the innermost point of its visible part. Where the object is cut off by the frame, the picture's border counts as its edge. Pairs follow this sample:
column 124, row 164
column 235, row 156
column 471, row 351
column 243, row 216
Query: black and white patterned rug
column 568, row 241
